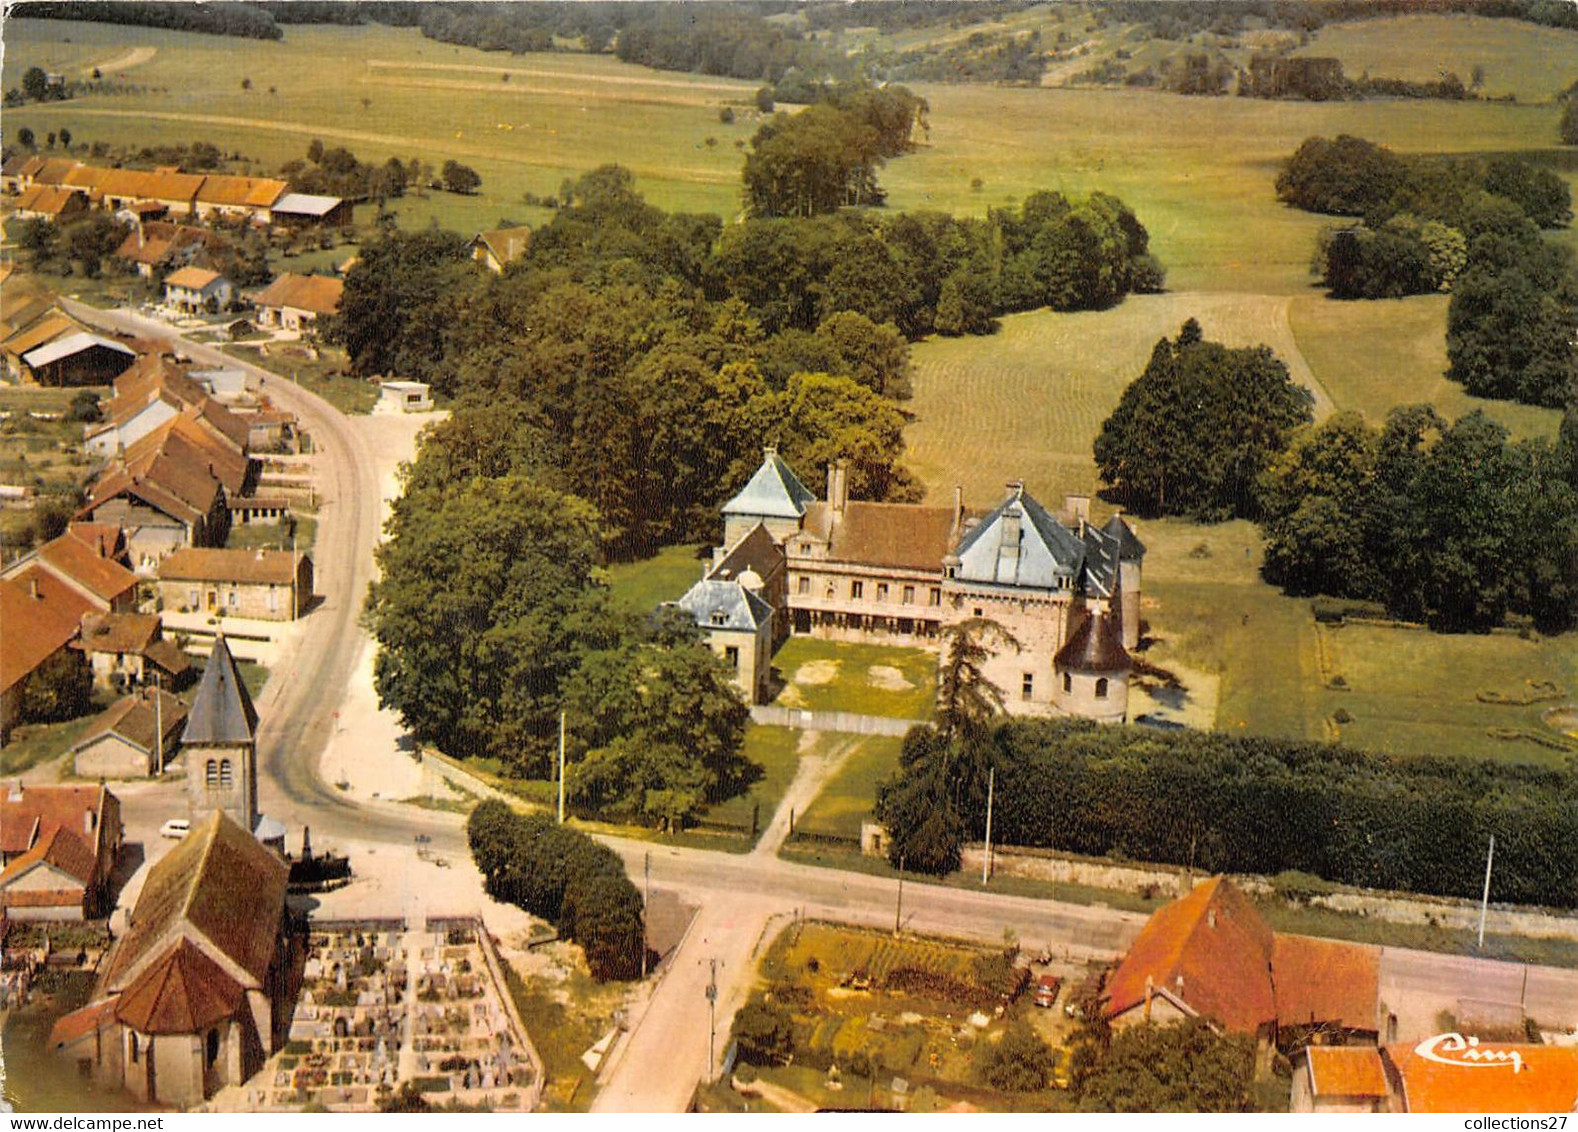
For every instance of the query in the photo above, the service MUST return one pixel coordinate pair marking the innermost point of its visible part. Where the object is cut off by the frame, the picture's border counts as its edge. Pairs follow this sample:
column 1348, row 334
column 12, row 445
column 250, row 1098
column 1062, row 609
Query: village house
column 194, row 289
column 49, row 203
column 39, row 616
column 127, row 650
column 151, row 393
column 271, row 585
column 196, row 994
column 156, row 246
column 163, row 504
column 134, row 738
column 58, row 845
column 1446, row 1073
column 294, row 302
column 88, row 559
column 1054, row 600
column 239, row 198
column 499, row 248
column 1210, row 955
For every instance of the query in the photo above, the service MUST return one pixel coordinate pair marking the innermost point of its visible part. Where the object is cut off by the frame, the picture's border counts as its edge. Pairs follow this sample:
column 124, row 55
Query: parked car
column 1046, row 990
column 176, row 828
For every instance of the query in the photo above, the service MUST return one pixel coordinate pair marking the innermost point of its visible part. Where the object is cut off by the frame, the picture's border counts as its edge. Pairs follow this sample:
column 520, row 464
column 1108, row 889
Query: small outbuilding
column 404, row 397
column 133, row 738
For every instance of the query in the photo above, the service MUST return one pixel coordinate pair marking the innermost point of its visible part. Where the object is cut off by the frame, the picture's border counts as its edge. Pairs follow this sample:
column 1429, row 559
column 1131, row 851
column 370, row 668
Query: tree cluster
column 1193, row 433
column 1185, row 1067
column 1448, row 524
column 732, row 40
column 59, row 689
column 337, row 172
column 1316, row 79
column 561, row 875
column 827, row 156
column 244, row 20
column 1207, row 800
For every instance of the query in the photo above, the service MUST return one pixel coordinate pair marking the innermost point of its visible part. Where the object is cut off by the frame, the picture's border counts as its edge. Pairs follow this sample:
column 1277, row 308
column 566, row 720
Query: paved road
column 739, row 895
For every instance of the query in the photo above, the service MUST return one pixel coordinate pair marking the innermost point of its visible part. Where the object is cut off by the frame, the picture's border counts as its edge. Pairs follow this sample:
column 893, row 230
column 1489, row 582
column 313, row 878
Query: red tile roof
column 1541, row 1079
column 133, row 718
column 46, row 199
column 94, row 1016
column 1324, row 980
column 192, row 278
column 1345, row 1071
column 255, row 192
column 74, row 558
column 61, row 848
column 317, row 293
column 34, row 628
column 181, row 992
column 885, row 534
column 209, row 564
column 1095, row 646
column 117, row 632
column 1209, row 950
column 31, row 812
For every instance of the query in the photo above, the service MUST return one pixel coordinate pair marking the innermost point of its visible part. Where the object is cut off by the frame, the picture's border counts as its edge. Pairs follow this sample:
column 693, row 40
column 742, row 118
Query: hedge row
column 1226, row 804
column 563, row 876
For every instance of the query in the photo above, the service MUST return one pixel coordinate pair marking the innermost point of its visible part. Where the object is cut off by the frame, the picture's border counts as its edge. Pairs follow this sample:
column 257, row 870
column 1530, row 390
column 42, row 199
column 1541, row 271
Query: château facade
column 1062, row 593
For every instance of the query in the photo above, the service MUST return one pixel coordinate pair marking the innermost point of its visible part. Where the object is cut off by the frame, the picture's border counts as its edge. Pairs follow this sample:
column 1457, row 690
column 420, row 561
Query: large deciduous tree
column 1194, row 432
column 487, row 596
column 1186, row 1067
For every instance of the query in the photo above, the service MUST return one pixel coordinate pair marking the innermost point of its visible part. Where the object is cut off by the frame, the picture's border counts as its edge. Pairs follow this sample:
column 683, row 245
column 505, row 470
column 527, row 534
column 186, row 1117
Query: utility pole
column 646, row 905
column 898, row 912
column 561, row 768
column 712, row 1016
column 986, row 859
column 158, row 721
column 1484, row 901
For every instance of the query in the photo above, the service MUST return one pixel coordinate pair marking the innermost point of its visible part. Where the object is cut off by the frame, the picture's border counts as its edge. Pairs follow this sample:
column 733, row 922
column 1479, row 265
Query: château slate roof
column 1047, row 550
column 755, row 550
column 1096, row 646
column 1130, row 548
column 773, row 492
column 715, row 604
column 222, row 711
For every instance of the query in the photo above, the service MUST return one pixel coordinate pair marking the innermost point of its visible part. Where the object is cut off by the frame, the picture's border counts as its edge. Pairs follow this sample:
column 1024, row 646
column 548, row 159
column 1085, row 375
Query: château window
column 882, row 591
column 936, row 595
column 1101, row 688
column 1068, row 682
column 135, row 1049
column 731, row 656
column 909, row 595
column 805, row 584
column 979, row 612
column 1027, row 687
column 213, row 1047
column 857, row 590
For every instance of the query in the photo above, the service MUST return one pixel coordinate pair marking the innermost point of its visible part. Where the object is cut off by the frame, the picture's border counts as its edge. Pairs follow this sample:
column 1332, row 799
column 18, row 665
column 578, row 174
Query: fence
column 846, row 721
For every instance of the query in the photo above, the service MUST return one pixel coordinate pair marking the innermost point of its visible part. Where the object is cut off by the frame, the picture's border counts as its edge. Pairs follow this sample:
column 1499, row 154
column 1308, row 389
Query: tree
column 1348, row 176
column 315, row 151
column 1315, row 496
column 25, row 138
column 1181, row 1068
column 35, row 84
column 460, row 178
column 1568, row 128
column 246, row 84
column 486, row 592
column 765, row 1033
column 65, row 138
column 1194, row 432
column 60, row 688
column 84, row 407
column 50, row 139
column 1019, row 1062
column 1510, row 322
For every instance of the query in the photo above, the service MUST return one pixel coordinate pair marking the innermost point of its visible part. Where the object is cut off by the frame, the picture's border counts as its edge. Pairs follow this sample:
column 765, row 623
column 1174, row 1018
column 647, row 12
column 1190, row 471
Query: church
column 1062, row 592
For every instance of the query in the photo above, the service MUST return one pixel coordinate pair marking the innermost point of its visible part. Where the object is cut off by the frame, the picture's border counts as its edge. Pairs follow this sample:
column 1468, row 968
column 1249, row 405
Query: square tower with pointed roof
column 220, row 744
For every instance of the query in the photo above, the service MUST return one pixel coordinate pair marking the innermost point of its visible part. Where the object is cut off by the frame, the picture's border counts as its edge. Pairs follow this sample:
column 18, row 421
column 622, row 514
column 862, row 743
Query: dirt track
column 133, row 58
column 719, row 86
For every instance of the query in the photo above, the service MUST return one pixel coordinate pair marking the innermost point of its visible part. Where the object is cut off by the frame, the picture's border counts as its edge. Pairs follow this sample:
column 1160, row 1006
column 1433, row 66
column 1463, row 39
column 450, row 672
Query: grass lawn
column 866, row 679
column 563, row 1024
column 641, row 587
column 848, row 797
column 273, row 536
column 1533, row 63
column 41, row 742
column 324, row 375
column 777, row 751
column 1375, row 355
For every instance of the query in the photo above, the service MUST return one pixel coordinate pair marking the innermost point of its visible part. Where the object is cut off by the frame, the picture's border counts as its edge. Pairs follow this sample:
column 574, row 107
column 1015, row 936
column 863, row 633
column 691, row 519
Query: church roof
column 219, row 883
column 222, row 711
column 716, row 604
column 1096, row 646
column 773, row 492
column 182, row 992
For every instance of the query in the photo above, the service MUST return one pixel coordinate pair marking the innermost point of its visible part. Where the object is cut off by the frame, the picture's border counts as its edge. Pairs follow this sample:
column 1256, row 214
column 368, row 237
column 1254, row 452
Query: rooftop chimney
column 87, row 822
column 840, row 497
column 1078, row 509
column 32, row 586
column 1210, row 917
column 15, row 794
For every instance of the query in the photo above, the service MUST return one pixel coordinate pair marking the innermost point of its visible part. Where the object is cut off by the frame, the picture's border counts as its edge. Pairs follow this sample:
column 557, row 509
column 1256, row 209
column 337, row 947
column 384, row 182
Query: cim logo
column 1455, row 1049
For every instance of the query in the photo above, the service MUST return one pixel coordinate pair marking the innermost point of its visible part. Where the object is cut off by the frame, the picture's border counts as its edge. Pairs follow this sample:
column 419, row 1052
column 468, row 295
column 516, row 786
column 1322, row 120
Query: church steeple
column 220, row 744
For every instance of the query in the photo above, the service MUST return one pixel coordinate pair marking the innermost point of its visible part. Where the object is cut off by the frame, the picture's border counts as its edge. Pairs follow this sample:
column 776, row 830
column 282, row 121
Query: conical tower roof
column 1096, row 646
column 222, row 713
column 773, row 492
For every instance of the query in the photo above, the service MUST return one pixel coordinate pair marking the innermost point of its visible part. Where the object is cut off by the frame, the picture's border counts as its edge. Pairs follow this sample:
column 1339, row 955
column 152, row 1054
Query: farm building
column 133, row 738
column 154, row 246
column 89, row 560
column 1447, row 1073
column 129, row 649
column 295, row 301
column 48, row 202
column 39, row 616
column 58, row 845
column 302, row 210
column 1065, row 591
column 192, row 289
column 190, row 994
column 272, row 585
column 78, row 359
column 501, row 247
column 403, row 397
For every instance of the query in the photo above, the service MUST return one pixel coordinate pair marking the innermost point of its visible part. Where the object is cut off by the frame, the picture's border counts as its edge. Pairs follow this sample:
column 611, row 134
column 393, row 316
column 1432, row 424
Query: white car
column 176, row 828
